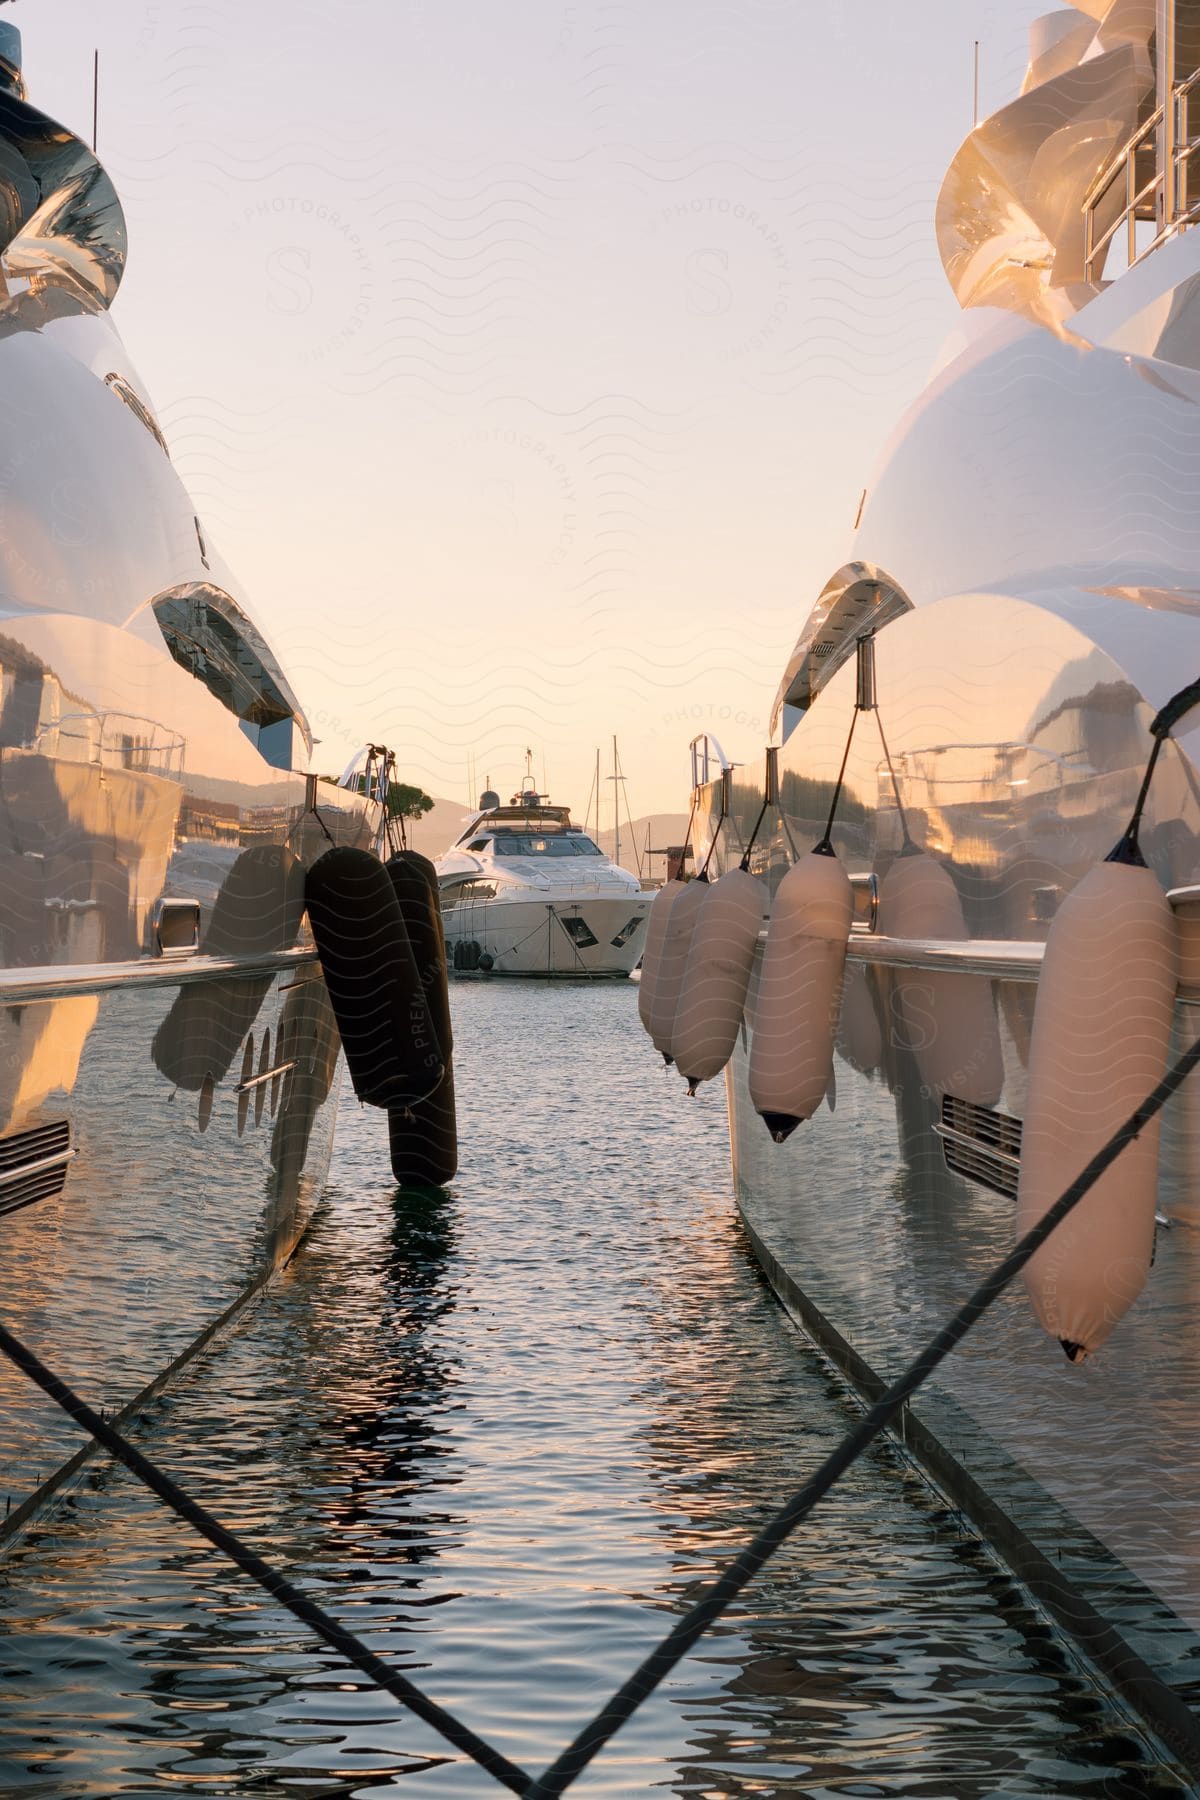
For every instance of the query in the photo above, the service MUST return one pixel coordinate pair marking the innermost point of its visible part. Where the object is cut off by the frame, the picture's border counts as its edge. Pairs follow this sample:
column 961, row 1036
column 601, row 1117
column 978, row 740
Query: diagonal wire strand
column 587, row 1744
column 625, row 1702
column 277, row 1585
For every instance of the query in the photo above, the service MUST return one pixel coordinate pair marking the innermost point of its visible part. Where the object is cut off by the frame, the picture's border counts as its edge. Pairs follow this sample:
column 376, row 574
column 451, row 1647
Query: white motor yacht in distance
column 526, row 892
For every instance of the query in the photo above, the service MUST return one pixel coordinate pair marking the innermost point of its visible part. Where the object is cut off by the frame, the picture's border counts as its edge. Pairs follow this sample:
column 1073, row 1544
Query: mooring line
column 708, row 1609
column 684, row 1634
column 277, row 1585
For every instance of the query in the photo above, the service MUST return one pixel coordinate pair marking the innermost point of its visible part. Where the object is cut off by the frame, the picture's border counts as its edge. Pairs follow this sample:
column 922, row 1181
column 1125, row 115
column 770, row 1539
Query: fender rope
column 825, row 847
column 719, row 1596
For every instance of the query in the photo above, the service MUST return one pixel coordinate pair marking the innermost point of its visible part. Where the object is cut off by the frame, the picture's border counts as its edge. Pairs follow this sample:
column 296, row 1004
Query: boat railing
column 114, row 741
column 1167, row 197
column 709, row 761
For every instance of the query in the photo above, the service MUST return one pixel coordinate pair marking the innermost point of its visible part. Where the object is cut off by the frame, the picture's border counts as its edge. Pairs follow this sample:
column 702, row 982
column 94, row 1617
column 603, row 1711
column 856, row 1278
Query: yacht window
column 479, row 844
column 210, row 636
column 517, row 844
column 137, row 406
column 467, row 890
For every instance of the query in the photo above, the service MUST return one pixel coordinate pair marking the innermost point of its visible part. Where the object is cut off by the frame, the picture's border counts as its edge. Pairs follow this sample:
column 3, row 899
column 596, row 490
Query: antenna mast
column 616, row 778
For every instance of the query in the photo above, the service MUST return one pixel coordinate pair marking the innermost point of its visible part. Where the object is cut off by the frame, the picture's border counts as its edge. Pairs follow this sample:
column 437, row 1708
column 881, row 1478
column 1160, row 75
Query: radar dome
column 488, row 800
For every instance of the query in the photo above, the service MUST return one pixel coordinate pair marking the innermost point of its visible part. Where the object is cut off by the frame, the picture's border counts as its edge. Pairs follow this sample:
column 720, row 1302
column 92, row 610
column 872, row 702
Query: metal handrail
column 114, row 740
column 1124, row 163
column 707, row 752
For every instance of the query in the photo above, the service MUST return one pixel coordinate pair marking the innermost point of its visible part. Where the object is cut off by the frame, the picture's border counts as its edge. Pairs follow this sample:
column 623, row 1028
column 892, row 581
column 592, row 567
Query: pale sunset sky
column 527, row 362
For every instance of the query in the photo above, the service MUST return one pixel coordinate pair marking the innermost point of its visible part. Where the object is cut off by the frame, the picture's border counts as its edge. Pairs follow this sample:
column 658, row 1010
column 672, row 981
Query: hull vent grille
column 982, row 1145
column 33, row 1165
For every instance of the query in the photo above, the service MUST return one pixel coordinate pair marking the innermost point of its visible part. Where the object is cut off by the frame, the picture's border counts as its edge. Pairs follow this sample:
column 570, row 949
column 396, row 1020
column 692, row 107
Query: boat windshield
column 518, row 844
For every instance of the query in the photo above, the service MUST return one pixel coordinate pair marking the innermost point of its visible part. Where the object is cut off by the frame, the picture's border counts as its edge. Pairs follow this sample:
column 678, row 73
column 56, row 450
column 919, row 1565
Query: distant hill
column 438, row 829
column 663, row 828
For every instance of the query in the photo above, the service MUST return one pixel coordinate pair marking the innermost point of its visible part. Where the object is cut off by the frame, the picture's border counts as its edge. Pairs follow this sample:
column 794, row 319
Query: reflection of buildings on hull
column 167, row 1054
column 1026, row 559
column 177, row 1202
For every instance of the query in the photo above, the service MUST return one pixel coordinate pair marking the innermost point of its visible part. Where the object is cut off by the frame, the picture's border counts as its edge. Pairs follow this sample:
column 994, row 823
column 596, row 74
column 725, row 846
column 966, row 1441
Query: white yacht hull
column 168, row 1055
column 543, row 937
column 1022, row 579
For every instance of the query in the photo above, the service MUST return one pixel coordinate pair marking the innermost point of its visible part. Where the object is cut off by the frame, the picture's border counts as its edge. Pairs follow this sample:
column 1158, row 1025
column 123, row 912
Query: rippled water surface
column 504, row 1433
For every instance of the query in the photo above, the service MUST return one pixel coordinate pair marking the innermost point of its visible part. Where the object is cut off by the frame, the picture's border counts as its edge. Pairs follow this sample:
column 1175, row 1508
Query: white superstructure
column 526, row 892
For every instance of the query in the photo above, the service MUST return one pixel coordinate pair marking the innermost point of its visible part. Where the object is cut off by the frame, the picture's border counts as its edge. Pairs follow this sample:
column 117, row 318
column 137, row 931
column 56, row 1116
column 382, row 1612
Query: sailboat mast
column 616, row 806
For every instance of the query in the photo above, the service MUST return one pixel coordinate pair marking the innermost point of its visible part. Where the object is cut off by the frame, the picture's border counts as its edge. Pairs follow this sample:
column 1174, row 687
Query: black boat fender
column 424, row 1134
column 378, row 999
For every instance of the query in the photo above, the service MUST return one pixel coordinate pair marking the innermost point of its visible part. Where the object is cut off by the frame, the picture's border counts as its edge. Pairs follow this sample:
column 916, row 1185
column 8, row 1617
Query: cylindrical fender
column 1101, row 1037
column 712, row 998
column 672, row 964
column 949, row 1020
column 307, row 1038
column 206, row 1027
column 859, row 1039
column 259, row 906
column 656, row 930
column 378, row 1000
column 799, row 993
column 424, row 1135
column 257, row 910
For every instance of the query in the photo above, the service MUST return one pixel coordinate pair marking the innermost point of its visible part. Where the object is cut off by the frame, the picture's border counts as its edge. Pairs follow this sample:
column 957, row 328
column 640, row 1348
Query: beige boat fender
column 712, row 996
column 656, row 929
column 948, row 1021
column 672, row 963
column 1101, row 1039
column 859, row 1040
column 799, row 992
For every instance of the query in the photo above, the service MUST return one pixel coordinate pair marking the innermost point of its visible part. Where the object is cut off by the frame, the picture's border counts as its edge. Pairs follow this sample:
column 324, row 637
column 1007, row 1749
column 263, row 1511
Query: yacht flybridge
column 526, row 892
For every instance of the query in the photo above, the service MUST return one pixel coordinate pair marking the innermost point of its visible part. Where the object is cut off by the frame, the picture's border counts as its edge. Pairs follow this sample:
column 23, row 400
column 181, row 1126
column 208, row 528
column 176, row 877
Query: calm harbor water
column 505, row 1433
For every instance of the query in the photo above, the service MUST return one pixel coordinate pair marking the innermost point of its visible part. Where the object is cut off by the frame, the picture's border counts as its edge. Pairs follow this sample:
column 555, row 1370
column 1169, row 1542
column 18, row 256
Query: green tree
column 406, row 802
